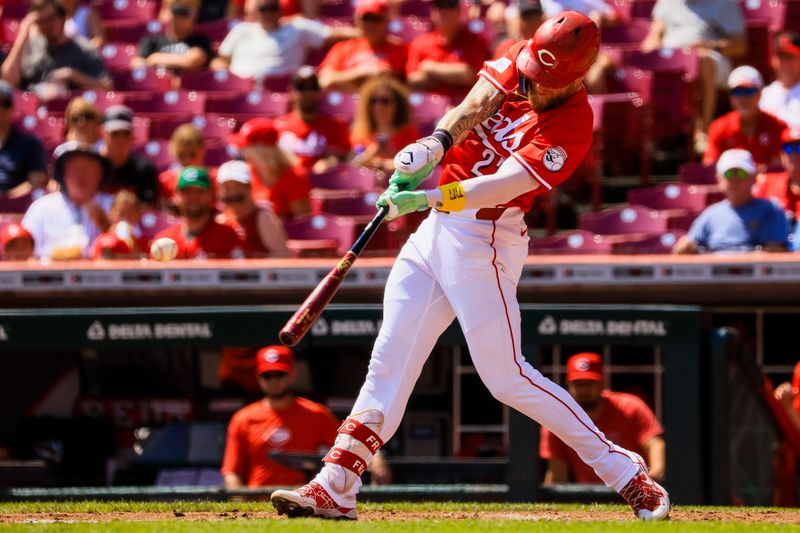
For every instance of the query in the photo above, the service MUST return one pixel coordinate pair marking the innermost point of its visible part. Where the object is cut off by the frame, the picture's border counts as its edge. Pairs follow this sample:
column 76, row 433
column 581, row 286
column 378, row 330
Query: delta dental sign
column 611, row 328
column 97, row 331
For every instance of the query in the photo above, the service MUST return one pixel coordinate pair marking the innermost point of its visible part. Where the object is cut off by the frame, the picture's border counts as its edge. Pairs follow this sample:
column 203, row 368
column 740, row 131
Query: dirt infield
column 677, row 515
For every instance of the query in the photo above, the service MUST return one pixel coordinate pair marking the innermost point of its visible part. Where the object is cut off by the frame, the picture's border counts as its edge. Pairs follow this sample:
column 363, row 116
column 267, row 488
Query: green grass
column 463, row 521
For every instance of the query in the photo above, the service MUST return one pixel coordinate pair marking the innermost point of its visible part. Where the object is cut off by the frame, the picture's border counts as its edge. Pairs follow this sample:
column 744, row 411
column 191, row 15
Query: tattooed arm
column 481, row 103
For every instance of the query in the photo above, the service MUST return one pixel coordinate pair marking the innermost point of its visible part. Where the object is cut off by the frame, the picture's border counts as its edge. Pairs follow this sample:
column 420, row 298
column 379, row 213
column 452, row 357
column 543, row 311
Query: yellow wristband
column 453, row 197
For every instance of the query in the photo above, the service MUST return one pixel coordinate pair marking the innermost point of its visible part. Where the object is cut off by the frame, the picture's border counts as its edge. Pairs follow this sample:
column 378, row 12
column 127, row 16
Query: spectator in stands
column 350, row 63
column 261, row 229
column 715, row 29
column 447, row 59
column 84, row 21
column 271, row 46
column 600, row 11
column 740, row 222
column 128, row 170
column 48, row 62
column 23, row 163
column 178, row 47
column 782, row 97
column 746, row 126
column 783, row 186
column 306, row 8
column 188, row 147
column 66, row 222
column 383, row 124
column 280, row 422
column 788, row 394
column 16, row 243
column 280, row 180
column 522, row 21
column 318, row 140
column 83, row 122
column 124, row 239
column 623, row 418
column 198, row 235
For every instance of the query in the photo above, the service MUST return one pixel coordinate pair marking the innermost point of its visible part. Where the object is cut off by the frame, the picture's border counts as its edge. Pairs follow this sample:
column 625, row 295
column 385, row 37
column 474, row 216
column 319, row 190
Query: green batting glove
column 409, row 182
column 402, row 203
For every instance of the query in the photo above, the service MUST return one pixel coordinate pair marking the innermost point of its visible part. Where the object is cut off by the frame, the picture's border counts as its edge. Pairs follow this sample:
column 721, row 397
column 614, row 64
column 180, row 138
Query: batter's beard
column 550, row 104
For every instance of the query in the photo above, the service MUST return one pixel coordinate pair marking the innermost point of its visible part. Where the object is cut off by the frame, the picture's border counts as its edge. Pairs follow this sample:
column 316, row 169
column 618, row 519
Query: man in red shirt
column 446, row 60
column 352, row 62
column 318, row 140
column 623, row 418
column 278, row 422
column 745, row 127
column 524, row 127
column 783, row 187
column 198, row 235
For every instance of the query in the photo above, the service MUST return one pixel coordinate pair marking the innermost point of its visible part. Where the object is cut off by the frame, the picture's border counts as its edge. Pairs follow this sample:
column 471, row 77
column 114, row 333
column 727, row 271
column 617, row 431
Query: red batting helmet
column 561, row 50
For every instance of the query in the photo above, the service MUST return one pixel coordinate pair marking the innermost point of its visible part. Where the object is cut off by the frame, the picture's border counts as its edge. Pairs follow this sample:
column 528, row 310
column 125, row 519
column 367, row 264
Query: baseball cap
column 111, row 243
column 194, row 177
column 530, row 7
column 372, row 7
column 13, row 232
column 6, row 90
column 790, row 135
column 585, row 365
column 70, row 148
column 788, row 42
column 304, row 73
column 736, row 158
column 118, row 117
column 745, row 76
column 274, row 359
column 255, row 131
column 238, row 171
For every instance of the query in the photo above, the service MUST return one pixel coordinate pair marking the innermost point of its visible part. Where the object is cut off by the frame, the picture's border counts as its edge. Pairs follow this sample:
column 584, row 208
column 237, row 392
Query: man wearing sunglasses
column 446, row 59
column 783, row 187
column 23, row 163
column 525, row 126
column 279, row 422
column 782, row 96
column 349, row 63
column 739, row 223
column 271, row 46
column 48, row 62
column 746, row 126
column 178, row 48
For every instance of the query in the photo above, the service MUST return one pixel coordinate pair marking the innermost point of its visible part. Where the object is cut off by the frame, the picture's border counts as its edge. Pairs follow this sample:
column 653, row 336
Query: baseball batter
column 524, row 127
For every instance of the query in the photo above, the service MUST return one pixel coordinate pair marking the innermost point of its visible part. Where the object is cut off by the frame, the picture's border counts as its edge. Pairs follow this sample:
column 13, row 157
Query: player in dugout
column 622, row 417
column 523, row 128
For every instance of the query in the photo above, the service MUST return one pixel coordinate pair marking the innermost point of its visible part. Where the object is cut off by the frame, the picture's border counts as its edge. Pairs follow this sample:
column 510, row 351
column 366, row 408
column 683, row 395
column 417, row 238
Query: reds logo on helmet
column 561, row 51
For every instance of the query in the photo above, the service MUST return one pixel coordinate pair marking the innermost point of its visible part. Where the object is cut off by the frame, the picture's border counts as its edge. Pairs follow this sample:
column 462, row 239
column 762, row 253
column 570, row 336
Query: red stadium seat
column 626, row 36
column 141, row 130
column 216, row 81
column 50, row 130
column 254, row 104
column 339, row 104
column 118, row 56
column 773, row 12
column 682, row 60
column 157, row 151
column 697, row 174
column 345, row 177
column 9, row 28
column 153, row 222
column 25, row 103
column 140, row 10
column 758, row 49
column 416, row 8
column 215, row 30
column 17, row 205
column 276, row 84
column 407, row 28
column 142, row 80
column 427, row 109
column 131, row 31
column 16, row 10
column 621, row 135
column 339, row 9
column 100, row 99
column 576, row 242
column 679, row 219
column 653, row 244
column 624, row 220
column 669, row 196
column 356, row 204
column 323, row 227
column 216, row 155
column 215, row 128
column 174, row 102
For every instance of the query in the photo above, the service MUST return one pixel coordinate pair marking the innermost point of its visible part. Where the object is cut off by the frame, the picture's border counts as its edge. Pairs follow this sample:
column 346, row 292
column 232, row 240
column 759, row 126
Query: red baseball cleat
column 309, row 500
column 647, row 498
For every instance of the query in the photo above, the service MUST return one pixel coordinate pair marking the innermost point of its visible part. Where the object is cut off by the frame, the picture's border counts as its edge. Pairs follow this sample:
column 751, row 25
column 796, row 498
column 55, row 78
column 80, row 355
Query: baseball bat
column 306, row 314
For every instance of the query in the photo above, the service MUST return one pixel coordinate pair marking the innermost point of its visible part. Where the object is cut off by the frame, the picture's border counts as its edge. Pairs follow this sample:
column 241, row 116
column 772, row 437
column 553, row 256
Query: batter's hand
column 416, row 156
column 409, row 182
column 402, row 202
